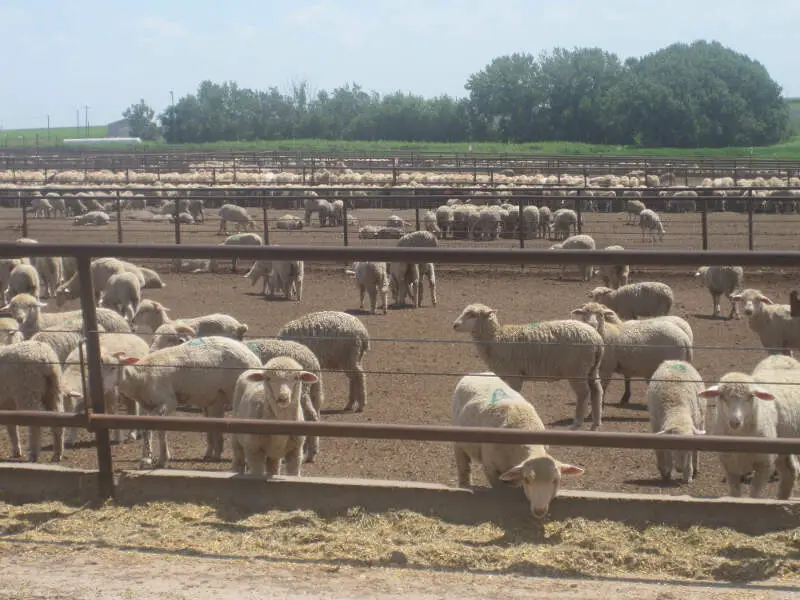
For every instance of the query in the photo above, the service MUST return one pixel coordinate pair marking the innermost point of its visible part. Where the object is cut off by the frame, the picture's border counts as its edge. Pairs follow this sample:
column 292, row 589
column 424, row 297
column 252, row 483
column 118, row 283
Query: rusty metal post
column 118, row 204
column 345, row 225
column 416, row 211
column 266, row 218
column 234, row 169
column 23, row 202
column 176, row 214
column 521, row 228
column 704, row 222
column 579, row 212
column 104, row 464
column 750, row 223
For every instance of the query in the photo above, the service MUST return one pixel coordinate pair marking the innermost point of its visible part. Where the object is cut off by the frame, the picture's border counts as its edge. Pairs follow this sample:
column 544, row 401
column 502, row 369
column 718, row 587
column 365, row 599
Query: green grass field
column 794, row 114
column 31, row 138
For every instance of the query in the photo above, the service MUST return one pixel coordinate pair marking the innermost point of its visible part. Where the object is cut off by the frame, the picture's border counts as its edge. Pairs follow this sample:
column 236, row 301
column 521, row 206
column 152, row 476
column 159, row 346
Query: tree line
column 685, row 95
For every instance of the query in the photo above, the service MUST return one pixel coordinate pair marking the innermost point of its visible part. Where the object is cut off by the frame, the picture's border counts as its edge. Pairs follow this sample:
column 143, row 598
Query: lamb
column 289, row 222
column 614, row 276
column 650, row 221
column 152, row 280
column 633, row 208
column 555, row 350
column 272, row 392
column 384, row 233
column 644, row 299
column 202, row 372
column 288, row 276
column 74, row 379
column 722, row 280
column 340, row 342
column 122, row 294
column 487, row 225
column 395, row 222
column 676, row 407
column 545, row 221
column 24, row 279
column 6, row 266
column 96, row 218
column 151, row 315
column 764, row 404
column 337, row 210
column 63, row 339
column 41, row 208
column 485, row 400
column 195, row 208
column 313, row 395
column 27, row 311
column 577, row 242
column 429, row 223
column 419, row 239
column 634, row 348
column 371, row 278
column 369, row 232
column 313, row 205
column 239, row 239
column 50, row 272
column 530, row 221
column 31, row 378
column 778, row 332
column 101, row 270
column 10, row 332
column 235, row 214
column 444, row 220
column 564, row 221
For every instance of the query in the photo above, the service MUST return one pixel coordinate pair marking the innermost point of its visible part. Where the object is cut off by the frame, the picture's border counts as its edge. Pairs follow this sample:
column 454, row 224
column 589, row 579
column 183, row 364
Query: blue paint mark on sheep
column 196, row 342
column 678, row 367
column 498, row 395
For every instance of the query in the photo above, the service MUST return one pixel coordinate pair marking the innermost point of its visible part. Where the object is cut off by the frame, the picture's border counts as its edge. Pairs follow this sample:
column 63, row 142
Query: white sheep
column 27, row 311
column 312, row 205
column 614, row 276
column 238, row 239
column 337, row 209
column 151, row 315
column 554, row 350
column 778, row 331
column 101, row 270
column 395, row 222
column 485, row 400
column 643, row 299
column 272, row 392
column 152, row 280
column 577, row 242
column 531, row 219
column 650, row 221
column 63, row 339
column 444, row 220
column 429, row 223
column 417, row 239
column 287, row 276
column 201, row 372
column 371, row 278
column 235, row 214
column 24, row 279
column 289, row 222
column 122, row 294
column 31, row 380
column 6, row 266
column 96, row 218
column 633, row 208
column 675, row 407
column 545, row 221
column 41, row 208
column 369, row 232
column 765, row 404
column 564, row 222
column 339, row 341
column 51, row 274
column 10, row 333
column 722, row 280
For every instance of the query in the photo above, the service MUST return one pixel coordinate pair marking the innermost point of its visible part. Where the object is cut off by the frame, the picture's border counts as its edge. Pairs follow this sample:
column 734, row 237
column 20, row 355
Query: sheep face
column 540, row 478
column 736, row 396
column 283, row 384
column 469, row 318
column 594, row 314
column 751, row 300
column 25, row 309
column 599, row 294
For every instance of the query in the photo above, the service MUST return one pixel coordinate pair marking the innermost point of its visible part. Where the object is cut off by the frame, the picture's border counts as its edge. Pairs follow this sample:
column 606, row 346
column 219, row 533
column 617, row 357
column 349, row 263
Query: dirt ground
column 416, row 358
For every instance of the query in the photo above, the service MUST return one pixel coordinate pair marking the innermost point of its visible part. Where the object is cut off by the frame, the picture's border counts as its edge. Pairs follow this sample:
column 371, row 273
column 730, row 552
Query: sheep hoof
column 146, row 463
column 574, row 426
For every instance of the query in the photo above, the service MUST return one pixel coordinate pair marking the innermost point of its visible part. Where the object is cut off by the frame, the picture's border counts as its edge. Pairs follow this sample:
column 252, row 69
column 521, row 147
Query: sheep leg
column 163, row 450
column 432, row 284
column 34, row 443
column 760, row 479
column 695, row 462
column 358, row 390
column 256, row 461
column 273, row 466
column 214, row 439
column 238, row 455
column 715, row 305
column 420, row 291
column 373, row 299
column 58, row 444
column 13, row 436
column 464, row 468
column 292, row 462
column 361, row 291
column 147, row 448
column 787, row 468
column 734, row 314
column 664, row 463
column 311, row 444
column 626, row 396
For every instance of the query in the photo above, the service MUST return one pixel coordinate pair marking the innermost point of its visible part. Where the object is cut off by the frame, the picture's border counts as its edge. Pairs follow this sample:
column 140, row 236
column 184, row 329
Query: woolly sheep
column 101, row 270
column 565, row 349
column 340, row 342
column 485, row 400
column 96, row 218
column 313, row 394
column 530, row 220
column 778, row 331
column 764, row 404
column 614, row 276
column 444, row 220
column 287, row 276
column 396, row 222
column 644, row 299
column 545, row 221
column 675, row 407
column 24, row 279
column 27, row 311
column 10, row 333
column 368, row 232
column 152, row 280
column 6, row 266
column 634, row 348
column 31, row 380
column 238, row 239
column 420, row 239
column 633, row 208
column 487, row 226
column 387, row 233
column 235, row 214
column 312, row 205
column 122, row 294
column 41, row 208
column 371, row 278
column 63, row 339
column 429, row 223
column 202, row 372
column 151, row 315
column 650, row 221
column 289, row 222
column 722, row 280
column 50, row 274
column 337, row 209
column 577, row 242
column 272, row 392
column 564, row 222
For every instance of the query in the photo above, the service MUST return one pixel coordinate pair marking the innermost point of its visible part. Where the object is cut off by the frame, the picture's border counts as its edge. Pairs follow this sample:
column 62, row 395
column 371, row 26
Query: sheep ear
column 118, row 355
column 186, row 329
column 566, row 469
column 763, row 394
column 711, row 392
column 766, row 300
column 736, row 296
column 255, row 376
column 579, row 311
column 128, row 360
column 609, row 314
column 74, row 394
column 308, row 377
column 514, row 474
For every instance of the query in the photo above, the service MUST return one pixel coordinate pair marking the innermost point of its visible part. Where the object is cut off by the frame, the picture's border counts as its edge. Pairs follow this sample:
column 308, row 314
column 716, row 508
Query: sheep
column 485, row 400
column 313, row 205
column 429, row 223
column 238, row 239
column 530, row 221
column 237, row 215
column 634, row 348
column 403, row 282
column 545, row 221
column 41, row 208
column 63, row 339
column 69, row 266
column 722, row 280
column 369, row 232
column 10, row 333
column 371, row 278
column 561, row 349
column 340, row 342
column 96, row 218
column 444, row 220
column 337, row 211
column 6, row 266
column 272, row 392
column 386, row 233
column 191, row 265
column 289, row 222
column 487, row 225
column 288, row 276
column 101, row 270
column 152, row 280
column 195, row 207
column 74, row 380
column 24, row 279
column 577, row 242
column 122, row 294
column 151, row 315
column 31, row 380
column 395, row 222
column 202, row 372
column 643, row 299
column 564, row 221
column 650, row 221
column 764, row 404
column 59, row 207
column 75, row 205
column 419, row 239
column 27, row 311
column 777, row 330
column 313, row 394
column 676, row 407
column 614, row 276
column 633, row 208
column 50, row 274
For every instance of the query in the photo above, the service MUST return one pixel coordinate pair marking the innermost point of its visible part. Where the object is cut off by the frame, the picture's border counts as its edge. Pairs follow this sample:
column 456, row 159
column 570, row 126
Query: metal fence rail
column 100, row 424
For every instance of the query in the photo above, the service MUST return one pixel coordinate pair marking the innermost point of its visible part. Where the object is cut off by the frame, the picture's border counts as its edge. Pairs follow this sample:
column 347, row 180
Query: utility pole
column 48, row 128
column 77, row 122
column 172, row 105
column 86, row 110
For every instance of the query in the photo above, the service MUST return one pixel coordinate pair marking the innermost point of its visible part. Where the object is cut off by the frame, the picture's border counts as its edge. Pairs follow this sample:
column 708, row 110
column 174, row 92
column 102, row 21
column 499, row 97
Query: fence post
column 104, row 465
column 118, row 203
column 23, row 202
column 579, row 212
column 474, row 170
column 749, row 222
column 234, row 169
column 416, row 210
column 704, row 216
column 344, row 225
column 176, row 213
column 266, row 217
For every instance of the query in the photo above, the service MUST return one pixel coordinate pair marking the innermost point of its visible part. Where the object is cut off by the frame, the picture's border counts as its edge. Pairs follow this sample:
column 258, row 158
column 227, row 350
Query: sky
column 59, row 55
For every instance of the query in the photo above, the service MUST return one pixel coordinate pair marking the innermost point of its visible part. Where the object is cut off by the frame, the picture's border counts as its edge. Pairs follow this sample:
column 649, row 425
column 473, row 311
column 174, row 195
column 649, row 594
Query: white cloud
column 163, row 27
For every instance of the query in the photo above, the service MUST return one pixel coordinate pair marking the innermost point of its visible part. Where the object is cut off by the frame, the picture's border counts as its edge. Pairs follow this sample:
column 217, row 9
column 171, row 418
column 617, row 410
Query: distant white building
column 121, row 128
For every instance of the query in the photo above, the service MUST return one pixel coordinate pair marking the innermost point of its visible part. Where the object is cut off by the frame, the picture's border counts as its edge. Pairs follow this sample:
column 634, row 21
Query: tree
column 141, row 118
